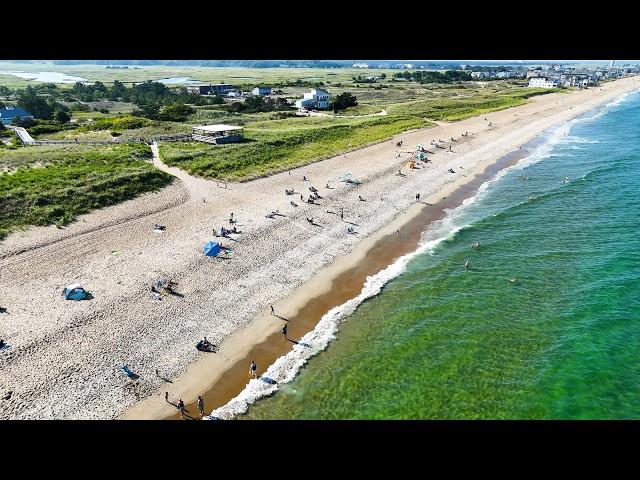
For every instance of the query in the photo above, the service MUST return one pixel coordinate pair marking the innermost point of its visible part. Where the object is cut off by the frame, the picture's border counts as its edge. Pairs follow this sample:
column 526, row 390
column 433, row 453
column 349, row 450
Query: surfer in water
column 475, row 244
column 466, row 265
column 513, row 280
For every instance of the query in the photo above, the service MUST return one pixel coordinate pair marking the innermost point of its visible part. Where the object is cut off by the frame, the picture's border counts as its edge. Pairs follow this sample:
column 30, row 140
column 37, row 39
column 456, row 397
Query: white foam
column 285, row 368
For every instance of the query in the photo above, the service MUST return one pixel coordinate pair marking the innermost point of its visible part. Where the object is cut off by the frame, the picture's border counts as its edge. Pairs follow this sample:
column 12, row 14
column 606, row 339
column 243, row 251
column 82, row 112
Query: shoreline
column 330, row 287
column 56, row 368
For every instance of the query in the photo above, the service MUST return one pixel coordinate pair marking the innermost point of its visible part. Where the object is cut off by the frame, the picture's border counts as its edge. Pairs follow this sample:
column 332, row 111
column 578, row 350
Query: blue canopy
column 211, row 249
column 74, row 292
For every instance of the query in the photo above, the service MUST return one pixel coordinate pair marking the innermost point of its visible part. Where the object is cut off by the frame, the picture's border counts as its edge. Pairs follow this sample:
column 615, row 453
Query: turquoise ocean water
column 442, row 342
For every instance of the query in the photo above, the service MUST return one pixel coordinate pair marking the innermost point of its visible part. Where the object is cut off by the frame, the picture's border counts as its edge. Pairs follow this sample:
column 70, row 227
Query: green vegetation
column 425, row 76
column 273, row 145
column 52, row 185
column 344, row 101
column 115, row 123
column 451, row 109
column 268, row 151
column 259, row 104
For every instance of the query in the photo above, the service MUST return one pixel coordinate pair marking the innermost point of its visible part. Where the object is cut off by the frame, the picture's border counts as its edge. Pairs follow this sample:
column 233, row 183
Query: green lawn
column 52, row 185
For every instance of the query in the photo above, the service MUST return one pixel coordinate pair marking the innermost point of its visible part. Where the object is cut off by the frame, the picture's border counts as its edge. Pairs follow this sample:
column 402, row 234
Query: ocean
column 431, row 339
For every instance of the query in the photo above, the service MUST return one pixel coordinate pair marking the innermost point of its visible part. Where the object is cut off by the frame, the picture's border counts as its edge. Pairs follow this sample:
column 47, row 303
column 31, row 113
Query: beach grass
column 52, row 185
column 266, row 151
column 274, row 145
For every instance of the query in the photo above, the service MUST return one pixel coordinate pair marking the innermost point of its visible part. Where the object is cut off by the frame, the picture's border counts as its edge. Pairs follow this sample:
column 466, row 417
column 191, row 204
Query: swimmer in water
column 475, row 244
column 466, row 265
column 513, row 280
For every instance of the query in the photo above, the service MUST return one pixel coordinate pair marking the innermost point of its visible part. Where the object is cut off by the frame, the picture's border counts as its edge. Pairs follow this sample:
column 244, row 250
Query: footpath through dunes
column 65, row 356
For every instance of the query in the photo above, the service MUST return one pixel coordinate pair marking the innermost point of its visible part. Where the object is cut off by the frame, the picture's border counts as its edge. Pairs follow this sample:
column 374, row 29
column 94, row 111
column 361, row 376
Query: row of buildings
column 315, row 99
column 572, row 77
column 226, row 90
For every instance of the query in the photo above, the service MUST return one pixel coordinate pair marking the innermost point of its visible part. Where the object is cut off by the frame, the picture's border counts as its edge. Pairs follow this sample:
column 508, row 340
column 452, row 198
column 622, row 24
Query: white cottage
column 316, row 99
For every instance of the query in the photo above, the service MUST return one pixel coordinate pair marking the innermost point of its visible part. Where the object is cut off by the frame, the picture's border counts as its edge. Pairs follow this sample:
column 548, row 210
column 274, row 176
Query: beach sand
column 65, row 357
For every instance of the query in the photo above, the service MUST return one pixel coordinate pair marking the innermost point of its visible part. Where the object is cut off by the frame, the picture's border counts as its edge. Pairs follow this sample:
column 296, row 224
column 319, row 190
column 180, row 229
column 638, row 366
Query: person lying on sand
column 360, row 198
column 310, row 220
column 294, row 204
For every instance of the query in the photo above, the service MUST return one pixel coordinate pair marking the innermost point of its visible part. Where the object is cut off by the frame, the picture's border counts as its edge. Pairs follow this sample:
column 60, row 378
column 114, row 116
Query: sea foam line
column 285, row 368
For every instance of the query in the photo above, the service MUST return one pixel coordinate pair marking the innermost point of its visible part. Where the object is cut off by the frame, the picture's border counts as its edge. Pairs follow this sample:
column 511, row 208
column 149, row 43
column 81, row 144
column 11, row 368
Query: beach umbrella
column 211, row 249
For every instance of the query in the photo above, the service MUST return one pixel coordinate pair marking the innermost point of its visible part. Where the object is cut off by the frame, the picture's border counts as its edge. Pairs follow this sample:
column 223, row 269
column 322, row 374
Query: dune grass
column 273, row 145
column 266, row 151
column 52, row 185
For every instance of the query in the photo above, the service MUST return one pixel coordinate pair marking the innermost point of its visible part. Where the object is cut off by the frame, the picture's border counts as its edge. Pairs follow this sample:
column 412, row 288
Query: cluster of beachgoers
column 156, row 294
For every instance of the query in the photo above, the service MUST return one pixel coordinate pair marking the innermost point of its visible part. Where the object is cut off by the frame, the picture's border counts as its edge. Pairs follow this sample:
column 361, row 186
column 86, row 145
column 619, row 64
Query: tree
column 383, row 76
column 177, row 112
column 18, row 121
column 62, row 116
column 148, row 111
column 343, row 101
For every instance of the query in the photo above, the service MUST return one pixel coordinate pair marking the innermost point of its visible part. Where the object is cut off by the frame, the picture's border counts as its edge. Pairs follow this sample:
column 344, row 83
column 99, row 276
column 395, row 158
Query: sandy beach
column 64, row 358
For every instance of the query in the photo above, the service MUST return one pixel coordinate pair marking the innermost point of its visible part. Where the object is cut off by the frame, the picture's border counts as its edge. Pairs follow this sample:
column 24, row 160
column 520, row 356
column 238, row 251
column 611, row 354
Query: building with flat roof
column 221, row 89
column 543, row 82
column 217, row 134
column 7, row 114
column 261, row 91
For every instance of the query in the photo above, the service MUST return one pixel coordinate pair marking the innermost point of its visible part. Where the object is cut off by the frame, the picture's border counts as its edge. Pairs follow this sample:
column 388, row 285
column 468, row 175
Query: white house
column 543, row 82
column 360, row 65
column 316, row 99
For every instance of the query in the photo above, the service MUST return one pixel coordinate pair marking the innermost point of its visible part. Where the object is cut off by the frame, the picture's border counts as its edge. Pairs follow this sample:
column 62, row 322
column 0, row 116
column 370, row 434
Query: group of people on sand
column 180, row 406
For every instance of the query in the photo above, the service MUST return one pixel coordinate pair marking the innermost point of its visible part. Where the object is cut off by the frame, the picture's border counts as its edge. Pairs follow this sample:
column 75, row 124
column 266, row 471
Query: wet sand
column 345, row 286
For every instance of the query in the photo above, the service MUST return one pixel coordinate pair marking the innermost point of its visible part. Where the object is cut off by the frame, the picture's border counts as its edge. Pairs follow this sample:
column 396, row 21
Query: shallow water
column 440, row 341
column 178, row 80
column 50, row 77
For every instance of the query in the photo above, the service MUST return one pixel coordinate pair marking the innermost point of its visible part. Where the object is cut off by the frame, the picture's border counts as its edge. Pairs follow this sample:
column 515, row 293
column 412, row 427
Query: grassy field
column 52, row 185
column 275, row 145
column 282, row 146
column 233, row 75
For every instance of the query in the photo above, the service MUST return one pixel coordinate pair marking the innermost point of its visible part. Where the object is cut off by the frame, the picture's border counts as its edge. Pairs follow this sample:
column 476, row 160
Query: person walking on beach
column 201, row 405
column 341, row 213
column 252, row 369
column 273, row 312
column 166, row 397
column 417, row 197
column 181, row 407
column 284, row 331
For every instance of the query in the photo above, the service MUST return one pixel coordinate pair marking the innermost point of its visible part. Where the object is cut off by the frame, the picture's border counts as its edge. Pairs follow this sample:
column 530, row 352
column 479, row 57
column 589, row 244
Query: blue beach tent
column 211, row 249
column 74, row 292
